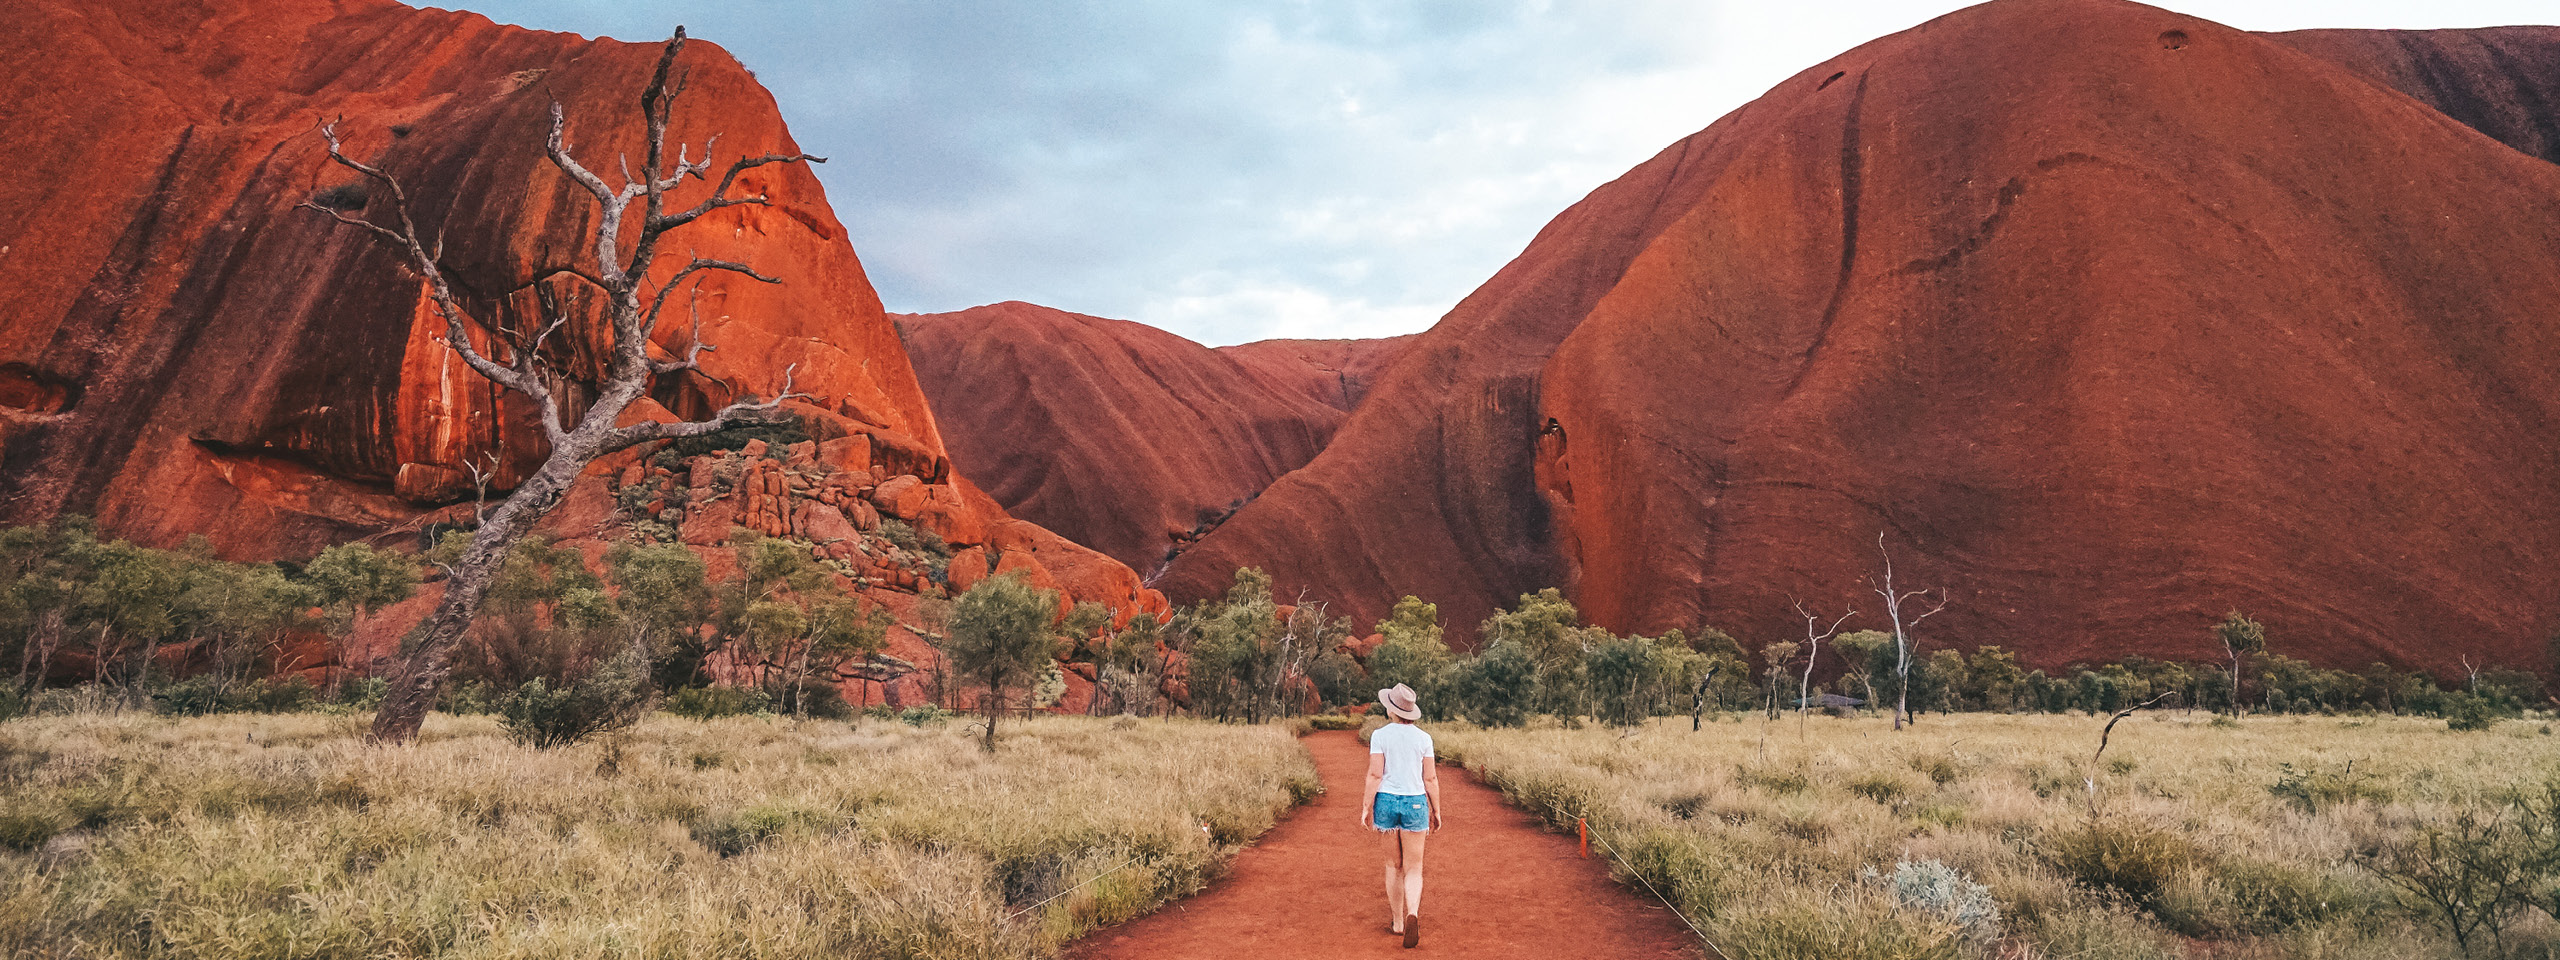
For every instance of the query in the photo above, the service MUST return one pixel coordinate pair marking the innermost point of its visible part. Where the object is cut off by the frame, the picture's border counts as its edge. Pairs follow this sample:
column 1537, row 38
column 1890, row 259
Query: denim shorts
column 1396, row 811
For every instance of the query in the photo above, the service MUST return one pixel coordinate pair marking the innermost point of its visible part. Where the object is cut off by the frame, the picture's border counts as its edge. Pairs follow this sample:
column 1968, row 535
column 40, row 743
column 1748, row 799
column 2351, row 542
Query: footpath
column 1498, row 886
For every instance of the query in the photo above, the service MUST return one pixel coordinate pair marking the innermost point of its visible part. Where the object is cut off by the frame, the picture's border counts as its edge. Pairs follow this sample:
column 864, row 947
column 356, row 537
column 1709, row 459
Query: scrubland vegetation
column 283, row 836
column 2000, row 836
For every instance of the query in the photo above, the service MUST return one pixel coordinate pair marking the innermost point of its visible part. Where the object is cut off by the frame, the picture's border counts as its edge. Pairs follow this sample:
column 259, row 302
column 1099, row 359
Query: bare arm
column 1431, row 785
column 1369, row 793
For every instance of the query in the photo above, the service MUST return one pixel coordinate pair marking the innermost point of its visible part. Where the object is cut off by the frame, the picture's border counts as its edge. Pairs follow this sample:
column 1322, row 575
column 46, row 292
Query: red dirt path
column 1498, row 886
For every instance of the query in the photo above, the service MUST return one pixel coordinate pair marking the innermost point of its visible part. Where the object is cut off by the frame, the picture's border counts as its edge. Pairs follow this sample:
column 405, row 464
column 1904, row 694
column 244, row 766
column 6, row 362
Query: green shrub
column 204, row 695
column 2466, row 712
column 1773, row 779
column 1940, row 768
column 27, row 830
column 1880, row 786
column 613, row 696
column 920, row 715
column 469, row 698
column 738, row 832
column 2473, row 873
column 12, row 705
column 1943, row 893
column 1334, row 721
column 2135, row 861
column 2314, row 790
column 704, row 703
column 361, row 694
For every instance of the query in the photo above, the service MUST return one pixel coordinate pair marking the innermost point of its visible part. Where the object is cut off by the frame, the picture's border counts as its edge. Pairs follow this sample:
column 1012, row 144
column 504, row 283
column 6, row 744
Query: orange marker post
column 1583, row 834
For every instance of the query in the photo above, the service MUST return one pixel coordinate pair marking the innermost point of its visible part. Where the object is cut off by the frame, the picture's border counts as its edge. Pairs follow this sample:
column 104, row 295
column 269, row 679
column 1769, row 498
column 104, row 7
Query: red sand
column 1498, row 886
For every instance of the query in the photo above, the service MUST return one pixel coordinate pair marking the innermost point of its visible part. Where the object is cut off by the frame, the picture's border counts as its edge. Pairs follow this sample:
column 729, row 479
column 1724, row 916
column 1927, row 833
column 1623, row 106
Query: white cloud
column 1267, row 168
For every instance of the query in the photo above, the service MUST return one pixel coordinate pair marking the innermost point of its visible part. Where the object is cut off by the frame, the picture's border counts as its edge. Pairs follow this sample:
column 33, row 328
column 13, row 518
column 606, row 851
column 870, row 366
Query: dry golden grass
column 1763, row 833
column 284, row 836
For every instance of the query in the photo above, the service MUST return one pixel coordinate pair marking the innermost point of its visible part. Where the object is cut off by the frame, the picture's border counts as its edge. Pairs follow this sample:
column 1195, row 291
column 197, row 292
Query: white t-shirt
column 1407, row 749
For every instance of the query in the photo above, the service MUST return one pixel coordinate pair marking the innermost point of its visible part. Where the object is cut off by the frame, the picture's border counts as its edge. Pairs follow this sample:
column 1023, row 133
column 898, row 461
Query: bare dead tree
column 630, row 311
column 1893, row 600
column 2091, row 781
column 480, row 478
column 1814, row 634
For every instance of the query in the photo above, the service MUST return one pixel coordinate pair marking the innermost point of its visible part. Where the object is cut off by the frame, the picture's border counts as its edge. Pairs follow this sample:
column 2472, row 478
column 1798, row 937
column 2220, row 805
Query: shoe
column 1412, row 931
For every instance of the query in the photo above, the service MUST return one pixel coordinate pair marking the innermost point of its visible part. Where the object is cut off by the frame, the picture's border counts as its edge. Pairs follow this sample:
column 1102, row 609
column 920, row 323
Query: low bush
column 204, row 695
column 2134, row 860
column 1881, row 786
column 1334, row 721
column 918, row 716
column 706, row 703
column 2312, row 789
column 612, row 697
column 739, row 831
column 1779, row 780
column 2468, row 712
column 1942, row 893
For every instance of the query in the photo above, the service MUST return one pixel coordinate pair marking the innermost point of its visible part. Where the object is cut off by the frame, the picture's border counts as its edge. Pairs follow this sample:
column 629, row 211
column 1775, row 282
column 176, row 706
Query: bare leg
column 1412, row 841
column 1395, row 879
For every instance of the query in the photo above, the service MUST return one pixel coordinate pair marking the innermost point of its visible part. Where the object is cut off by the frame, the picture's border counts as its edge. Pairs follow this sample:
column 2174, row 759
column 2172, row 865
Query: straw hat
column 1399, row 702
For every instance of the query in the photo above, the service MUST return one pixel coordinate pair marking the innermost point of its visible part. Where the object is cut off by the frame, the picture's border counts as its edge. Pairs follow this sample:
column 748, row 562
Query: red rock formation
column 187, row 353
column 2111, row 319
column 2501, row 81
column 1119, row 436
column 1336, row 373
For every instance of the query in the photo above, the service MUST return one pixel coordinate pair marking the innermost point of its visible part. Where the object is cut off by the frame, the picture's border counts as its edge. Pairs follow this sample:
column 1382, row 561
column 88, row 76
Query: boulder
column 902, row 496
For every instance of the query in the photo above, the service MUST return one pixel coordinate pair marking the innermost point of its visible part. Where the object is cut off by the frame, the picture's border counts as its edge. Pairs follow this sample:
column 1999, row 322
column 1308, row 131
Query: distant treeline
column 1538, row 659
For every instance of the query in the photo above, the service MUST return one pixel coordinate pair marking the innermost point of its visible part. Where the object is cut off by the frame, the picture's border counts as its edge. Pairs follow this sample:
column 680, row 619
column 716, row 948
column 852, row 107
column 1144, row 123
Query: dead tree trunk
column 1814, row 634
column 632, row 315
column 1902, row 634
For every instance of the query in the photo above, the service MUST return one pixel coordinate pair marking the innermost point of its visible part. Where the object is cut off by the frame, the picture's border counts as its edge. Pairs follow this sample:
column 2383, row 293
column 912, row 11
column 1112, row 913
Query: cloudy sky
column 1232, row 171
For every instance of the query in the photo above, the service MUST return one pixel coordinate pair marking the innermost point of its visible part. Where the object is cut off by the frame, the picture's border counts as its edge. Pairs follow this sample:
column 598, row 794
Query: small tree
column 1858, row 650
column 1814, row 633
column 1410, row 650
column 1775, row 659
column 666, row 597
column 1002, row 635
column 1136, row 664
column 2240, row 637
column 1627, row 675
column 1546, row 627
column 527, row 366
column 1902, row 645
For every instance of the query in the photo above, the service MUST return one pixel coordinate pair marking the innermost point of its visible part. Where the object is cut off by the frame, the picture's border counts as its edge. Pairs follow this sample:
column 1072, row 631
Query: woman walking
column 1403, row 804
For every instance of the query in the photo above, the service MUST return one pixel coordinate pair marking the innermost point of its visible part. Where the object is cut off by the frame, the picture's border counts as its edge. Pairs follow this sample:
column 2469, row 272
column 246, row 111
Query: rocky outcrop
column 1336, row 373
column 187, row 353
column 2108, row 319
column 1118, row 436
column 2501, row 81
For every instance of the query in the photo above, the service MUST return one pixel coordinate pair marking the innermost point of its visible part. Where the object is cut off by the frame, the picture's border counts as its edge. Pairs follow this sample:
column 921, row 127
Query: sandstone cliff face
column 1336, row 373
column 2501, row 81
column 2108, row 318
column 187, row 353
column 1119, row 436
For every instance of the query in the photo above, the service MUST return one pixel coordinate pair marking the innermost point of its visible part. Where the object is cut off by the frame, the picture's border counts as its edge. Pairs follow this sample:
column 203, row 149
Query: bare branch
column 457, row 336
column 2110, row 728
column 720, row 197
column 694, row 348
column 649, row 323
column 550, row 273
column 728, row 416
column 558, row 148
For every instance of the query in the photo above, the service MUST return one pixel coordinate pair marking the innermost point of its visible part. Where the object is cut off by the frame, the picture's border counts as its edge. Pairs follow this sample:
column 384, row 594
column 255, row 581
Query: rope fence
column 1582, row 831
